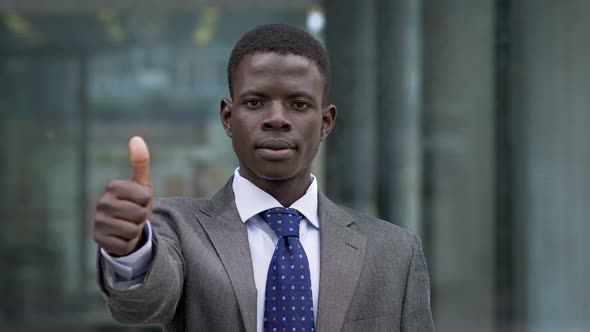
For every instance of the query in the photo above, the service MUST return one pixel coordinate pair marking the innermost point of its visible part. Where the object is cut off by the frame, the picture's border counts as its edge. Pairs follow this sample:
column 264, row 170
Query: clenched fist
column 122, row 210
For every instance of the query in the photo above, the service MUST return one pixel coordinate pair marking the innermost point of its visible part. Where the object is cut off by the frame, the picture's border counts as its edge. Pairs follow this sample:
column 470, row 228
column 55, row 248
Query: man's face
column 276, row 120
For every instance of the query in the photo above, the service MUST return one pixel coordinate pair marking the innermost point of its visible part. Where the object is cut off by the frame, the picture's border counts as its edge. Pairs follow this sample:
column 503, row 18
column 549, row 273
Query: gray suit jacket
column 373, row 275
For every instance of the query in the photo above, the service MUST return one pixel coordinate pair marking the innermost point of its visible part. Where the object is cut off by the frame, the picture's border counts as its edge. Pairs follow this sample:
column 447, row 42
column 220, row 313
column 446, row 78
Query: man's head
column 281, row 39
column 276, row 117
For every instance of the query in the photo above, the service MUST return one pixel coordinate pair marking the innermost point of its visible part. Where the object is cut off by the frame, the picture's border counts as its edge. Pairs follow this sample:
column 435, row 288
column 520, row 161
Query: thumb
column 139, row 157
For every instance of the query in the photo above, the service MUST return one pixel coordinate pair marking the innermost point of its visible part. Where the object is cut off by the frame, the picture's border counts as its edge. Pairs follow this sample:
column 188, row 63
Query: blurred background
column 465, row 121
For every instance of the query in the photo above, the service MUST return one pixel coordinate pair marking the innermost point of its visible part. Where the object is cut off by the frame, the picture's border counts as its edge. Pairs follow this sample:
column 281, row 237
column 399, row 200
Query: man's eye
column 299, row 105
column 253, row 103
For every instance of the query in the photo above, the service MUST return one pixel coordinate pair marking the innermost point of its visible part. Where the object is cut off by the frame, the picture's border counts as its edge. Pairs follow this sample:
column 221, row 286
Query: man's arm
column 154, row 297
column 416, row 312
column 121, row 215
column 133, row 267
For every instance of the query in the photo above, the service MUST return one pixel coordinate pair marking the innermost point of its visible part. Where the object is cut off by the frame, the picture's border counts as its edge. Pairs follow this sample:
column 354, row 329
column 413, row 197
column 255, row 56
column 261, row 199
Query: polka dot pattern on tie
column 288, row 301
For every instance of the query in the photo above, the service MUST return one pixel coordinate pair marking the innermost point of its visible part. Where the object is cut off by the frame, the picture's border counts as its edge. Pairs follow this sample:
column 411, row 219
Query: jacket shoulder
column 180, row 204
column 379, row 229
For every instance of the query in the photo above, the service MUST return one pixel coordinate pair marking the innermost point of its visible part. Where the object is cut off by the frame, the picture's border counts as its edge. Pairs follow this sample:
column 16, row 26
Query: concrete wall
column 459, row 159
column 552, row 112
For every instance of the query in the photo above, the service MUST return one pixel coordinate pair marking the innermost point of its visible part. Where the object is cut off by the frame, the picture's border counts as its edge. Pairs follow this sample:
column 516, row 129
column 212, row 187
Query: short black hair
column 282, row 39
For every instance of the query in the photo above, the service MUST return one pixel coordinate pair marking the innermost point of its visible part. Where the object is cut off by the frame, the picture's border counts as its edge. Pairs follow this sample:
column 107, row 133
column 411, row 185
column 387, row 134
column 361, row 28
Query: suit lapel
column 342, row 253
column 222, row 223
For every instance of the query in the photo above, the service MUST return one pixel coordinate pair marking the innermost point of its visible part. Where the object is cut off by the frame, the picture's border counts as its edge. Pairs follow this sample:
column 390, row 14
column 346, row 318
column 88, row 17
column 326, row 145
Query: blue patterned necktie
column 288, row 304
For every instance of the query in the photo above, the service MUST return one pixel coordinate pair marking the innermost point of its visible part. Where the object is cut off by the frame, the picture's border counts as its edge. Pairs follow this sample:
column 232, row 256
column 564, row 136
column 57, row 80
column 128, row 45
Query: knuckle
column 112, row 185
column 102, row 219
column 102, row 242
column 122, row 232
column 145, row 197
column 100, row 202
column 99, row 220
column 127, row 231
column 134, row 212
column 98, row 235
column 96, row 238
column 104, row 203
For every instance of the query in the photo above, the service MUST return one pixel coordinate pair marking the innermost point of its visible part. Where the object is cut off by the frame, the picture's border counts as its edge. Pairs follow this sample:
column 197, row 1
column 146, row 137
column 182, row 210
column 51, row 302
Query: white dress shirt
column 250, row 201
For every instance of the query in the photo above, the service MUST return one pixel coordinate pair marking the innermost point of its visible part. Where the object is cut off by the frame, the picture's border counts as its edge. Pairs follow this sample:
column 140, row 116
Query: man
column 269, row 252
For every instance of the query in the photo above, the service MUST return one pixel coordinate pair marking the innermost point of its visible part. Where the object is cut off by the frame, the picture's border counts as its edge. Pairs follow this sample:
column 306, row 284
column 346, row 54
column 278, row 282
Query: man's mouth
column 276, row 149
column 276, row 144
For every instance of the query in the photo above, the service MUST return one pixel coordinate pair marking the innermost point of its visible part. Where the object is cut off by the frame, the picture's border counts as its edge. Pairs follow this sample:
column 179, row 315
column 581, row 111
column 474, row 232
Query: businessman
column 269, row 252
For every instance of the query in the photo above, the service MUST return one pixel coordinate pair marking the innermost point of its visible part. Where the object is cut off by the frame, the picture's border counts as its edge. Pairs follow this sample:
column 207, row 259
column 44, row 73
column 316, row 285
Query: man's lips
column 276, row 149
column 276, row 144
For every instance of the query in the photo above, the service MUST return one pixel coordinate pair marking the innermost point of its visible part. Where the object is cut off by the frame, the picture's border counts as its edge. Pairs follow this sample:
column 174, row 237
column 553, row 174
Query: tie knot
column 283, row 221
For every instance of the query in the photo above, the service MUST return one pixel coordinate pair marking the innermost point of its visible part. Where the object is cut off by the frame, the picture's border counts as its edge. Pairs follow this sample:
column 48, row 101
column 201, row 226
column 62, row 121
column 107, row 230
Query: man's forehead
column 271, row 66
column 265, row 60
column 258, row 65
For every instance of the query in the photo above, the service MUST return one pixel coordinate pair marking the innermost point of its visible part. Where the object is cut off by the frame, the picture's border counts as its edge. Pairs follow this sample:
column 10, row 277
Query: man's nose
column 278, row 118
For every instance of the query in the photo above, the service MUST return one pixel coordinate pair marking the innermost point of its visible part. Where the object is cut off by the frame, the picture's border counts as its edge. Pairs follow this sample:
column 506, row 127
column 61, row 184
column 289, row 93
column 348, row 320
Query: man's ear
column 328, row 119
column 225, row 115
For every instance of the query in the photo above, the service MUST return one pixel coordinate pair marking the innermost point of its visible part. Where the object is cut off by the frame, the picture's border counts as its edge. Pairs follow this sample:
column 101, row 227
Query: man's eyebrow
column 301, row 94
column 253, row 93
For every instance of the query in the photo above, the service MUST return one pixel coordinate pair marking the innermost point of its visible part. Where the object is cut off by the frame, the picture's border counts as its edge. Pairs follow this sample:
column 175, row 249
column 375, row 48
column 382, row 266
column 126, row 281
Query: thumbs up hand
column 139, row 157
column 122, row 210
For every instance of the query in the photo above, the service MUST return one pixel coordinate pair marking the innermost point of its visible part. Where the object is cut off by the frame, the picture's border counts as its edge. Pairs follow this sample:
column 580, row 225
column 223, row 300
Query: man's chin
column 275, row 172
column 274, row 175
column 281, row 171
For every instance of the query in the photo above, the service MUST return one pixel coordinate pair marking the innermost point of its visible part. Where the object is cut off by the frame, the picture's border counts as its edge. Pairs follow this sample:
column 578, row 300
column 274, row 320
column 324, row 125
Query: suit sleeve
column 131, row 267
column 416, row 312
column 154, row 299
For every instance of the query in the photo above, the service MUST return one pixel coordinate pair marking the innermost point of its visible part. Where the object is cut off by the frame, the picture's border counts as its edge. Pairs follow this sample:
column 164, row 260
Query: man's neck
column 285, row 192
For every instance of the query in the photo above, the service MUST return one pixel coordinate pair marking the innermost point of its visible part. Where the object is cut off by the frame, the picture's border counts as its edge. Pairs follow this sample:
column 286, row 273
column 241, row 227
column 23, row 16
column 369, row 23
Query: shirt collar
column 251, row 200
